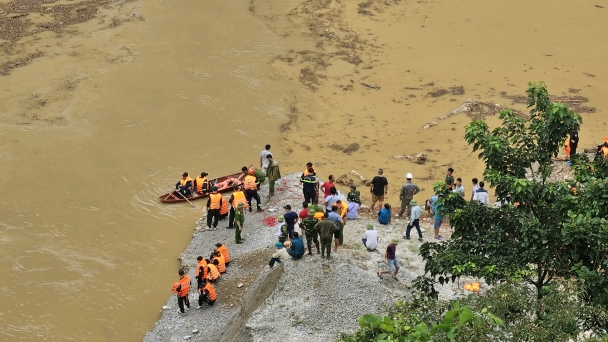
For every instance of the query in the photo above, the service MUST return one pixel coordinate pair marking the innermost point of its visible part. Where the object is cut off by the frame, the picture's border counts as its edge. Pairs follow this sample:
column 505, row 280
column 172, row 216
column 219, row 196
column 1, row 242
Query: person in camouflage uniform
column 311, row 235
column 354, row 195
column 282, row 231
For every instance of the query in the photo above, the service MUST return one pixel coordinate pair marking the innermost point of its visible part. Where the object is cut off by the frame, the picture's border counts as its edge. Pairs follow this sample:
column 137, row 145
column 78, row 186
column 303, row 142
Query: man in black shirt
column 573, row 142
column 378, row 188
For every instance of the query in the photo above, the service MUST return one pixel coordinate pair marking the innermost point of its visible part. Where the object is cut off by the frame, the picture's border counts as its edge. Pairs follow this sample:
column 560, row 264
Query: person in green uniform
column 354, row 195
column 273, row 173
column 239, row 221
column 309, row 224
column 282, row 231
column 326, row 229
column 259, row 175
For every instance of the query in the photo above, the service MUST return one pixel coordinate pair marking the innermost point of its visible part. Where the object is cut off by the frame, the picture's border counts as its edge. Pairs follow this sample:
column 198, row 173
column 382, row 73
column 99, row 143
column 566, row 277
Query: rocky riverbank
column 307, row 299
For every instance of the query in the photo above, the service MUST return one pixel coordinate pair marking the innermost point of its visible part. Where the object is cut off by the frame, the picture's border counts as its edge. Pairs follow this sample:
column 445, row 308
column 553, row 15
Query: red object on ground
column 270, row 221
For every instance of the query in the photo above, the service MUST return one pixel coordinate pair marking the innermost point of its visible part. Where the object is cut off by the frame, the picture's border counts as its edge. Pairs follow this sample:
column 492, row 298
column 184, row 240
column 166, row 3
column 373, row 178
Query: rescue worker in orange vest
column 224, row 209
column 214, row 204
column 603, row 148
column 181, row 289
column 307, row 172
column 207, row 295
column 222, row 249
column 342, row 212
column 183, row 188
column 218, row 260
column 238, row 196
column 201, row 271
column 201, row 183
column 251, row 190
column 213, row 273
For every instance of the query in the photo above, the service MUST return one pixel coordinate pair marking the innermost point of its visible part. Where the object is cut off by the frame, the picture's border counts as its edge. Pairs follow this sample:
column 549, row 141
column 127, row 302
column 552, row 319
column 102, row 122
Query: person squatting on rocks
column 384, row 216
column 238, row 196
column 391, row 259
column 378, row 189
column 325, row 228
column 291, row 218
column 206, row 294
column 214, row 204
column 224, row 251
column 408, row 190
column 181, row 288
column 309, row 186
column 218, row 260
column 279, row 256
column 309, row 224
column 251, row 190
column 239, row 221
column 414, row 221
column 273, row 173
column 337, row 220
column 213, row 274
column 297, row 247
column 352, row 209
column 354, row 195
column 370, row 238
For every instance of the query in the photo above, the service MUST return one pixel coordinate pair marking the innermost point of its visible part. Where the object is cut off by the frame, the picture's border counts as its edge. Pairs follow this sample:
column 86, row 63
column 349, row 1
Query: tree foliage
column 544, row 230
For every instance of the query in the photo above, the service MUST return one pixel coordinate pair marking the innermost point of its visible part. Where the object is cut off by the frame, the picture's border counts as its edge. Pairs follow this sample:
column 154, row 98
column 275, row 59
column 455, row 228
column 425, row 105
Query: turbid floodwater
column 104, row 104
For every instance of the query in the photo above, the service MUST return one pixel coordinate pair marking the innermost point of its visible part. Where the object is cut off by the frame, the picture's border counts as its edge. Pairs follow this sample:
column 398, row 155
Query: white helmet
column 409, row 176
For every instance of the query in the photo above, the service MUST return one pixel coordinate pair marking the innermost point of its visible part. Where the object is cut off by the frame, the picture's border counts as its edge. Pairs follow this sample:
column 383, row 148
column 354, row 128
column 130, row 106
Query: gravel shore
column 309, row 299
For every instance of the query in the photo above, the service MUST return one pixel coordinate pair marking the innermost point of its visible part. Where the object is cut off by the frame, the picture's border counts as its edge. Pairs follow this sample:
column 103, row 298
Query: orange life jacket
column 200, row 181
column 215, row 201
column 224, row 252
column 306, row 171
column 342, row 211
column 250, row 183
column 201, row 265
column 182, row 287
column 214, row 274
column 221, row 265
column 183, row 181
column 224, row 208
column 605, row 151
column 211, row 291
column 239, row 197
column 567, row 148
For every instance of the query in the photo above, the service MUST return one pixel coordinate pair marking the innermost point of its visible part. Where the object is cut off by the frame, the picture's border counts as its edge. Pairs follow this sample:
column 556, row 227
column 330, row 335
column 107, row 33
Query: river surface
column 93, row 132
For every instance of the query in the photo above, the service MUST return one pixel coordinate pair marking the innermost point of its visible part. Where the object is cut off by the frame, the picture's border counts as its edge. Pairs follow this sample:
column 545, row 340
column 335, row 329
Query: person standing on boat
column 263, row 160
column 183, row 187
column 273, row 173
column 201, row 183
column 214, row 204
column 251, row 190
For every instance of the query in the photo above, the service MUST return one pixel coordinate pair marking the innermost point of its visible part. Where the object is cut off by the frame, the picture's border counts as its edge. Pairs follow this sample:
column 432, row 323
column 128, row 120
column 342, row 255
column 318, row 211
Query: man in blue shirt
column 297, row 247
column 291, row 217
column 337, row 220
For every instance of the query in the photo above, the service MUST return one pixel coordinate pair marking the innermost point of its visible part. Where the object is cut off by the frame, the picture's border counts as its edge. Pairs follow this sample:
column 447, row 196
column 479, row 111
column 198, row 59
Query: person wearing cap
column 449, row 178
column 238, row 196
column 297, row 247
column 251, row 189
column 354, row 195
column 414, row 221
column 282, row 229
column 279, row 256
column 458, row 187
column 239, row 221
column 201, row 183
column 408, row 190
column 182, row 288
column 309, row 186
column 326, row 229
column 273, row 173
column 378, row 189
column 370, row 238
column 291, row 218
column 319, row 210
column 390, row 257
column 309, row 229
column 214, row 204
column 183, row 187
column 352, row 209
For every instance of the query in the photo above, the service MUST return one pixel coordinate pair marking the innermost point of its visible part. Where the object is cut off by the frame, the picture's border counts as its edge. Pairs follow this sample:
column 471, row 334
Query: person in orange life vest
column 218, row 260
column 222, row 249
column 184, row 186
column 238, row 196
column 567, row 149
column 260, row 176
column 201, row 271
column 206, row 295
column 224, row 209
column 181, row 289
column 251, row 190
column 214, row 204
column 603, row 148
column 342, row 212
column 213, row 274
column 201, row 183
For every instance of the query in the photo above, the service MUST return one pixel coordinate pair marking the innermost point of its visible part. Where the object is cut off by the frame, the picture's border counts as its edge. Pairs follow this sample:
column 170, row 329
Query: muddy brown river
column 111, row 110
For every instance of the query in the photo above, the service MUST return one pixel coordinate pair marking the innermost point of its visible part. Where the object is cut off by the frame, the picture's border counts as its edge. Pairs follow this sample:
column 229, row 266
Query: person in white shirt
column 475, row 187
column 415, row 221
column 458, row 187
column 352, row 210
column 263, row 160
column 482, row 195
column 370, row 238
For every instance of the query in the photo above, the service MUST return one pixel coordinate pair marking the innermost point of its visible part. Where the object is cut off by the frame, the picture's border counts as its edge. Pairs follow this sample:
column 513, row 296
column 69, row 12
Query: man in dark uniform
column 309, row 224
column 309, row 186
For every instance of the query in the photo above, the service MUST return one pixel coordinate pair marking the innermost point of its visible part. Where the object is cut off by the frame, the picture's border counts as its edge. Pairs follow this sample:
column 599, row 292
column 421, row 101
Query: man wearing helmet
column 251, row 189
column 408, row 190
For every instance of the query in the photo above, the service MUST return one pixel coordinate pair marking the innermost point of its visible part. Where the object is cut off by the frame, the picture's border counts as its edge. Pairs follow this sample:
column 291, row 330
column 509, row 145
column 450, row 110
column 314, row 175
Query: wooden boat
column 223, row 183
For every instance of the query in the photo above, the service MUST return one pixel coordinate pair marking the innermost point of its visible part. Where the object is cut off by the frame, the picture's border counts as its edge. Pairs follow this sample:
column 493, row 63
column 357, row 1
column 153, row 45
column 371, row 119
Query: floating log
column 364, row 180
column 429, row 124
column 344, row 180
column 418, row 158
